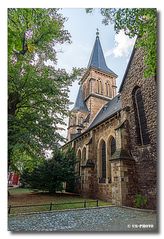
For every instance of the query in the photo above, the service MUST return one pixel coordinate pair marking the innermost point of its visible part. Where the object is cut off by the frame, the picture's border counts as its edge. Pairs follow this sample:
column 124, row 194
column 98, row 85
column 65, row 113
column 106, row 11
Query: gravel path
column 86, row 220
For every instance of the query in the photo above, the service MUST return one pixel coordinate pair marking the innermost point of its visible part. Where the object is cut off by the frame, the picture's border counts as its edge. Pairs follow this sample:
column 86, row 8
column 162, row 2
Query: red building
column 13, row 179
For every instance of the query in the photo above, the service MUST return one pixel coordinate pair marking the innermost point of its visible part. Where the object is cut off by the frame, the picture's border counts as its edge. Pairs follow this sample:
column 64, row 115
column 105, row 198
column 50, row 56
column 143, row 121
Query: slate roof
column 107, row 111
column 97, row 59
column 80, row 104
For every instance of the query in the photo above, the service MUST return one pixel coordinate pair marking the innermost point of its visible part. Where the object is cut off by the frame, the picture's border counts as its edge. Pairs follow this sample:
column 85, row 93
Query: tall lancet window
column 112, row 149
column 140, row 117
column 109, row 90
column 113, row 145
column 106, row 88
column 103, row 158
column 99, row 87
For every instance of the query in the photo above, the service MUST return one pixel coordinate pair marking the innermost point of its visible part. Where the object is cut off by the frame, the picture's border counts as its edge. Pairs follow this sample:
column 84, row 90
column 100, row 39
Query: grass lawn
column 21, row 197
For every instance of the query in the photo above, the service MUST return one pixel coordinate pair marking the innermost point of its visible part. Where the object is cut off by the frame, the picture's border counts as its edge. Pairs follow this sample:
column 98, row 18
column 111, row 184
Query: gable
column 127, row 69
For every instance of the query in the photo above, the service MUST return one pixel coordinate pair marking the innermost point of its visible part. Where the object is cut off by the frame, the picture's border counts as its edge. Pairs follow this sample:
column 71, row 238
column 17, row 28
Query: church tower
column 97, row 87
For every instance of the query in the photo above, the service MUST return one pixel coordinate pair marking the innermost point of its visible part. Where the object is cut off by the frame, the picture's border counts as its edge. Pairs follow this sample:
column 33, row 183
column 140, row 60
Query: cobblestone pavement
column 86, row 220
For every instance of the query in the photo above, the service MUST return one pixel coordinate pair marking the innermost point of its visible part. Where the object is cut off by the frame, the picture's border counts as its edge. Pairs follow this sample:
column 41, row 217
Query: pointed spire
column 97, row 33
column 97, row 59
column 80, row 104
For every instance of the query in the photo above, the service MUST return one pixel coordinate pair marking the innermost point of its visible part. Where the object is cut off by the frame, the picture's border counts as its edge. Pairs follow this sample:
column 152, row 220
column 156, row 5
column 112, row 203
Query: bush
column 140, row 201
column 50, row 175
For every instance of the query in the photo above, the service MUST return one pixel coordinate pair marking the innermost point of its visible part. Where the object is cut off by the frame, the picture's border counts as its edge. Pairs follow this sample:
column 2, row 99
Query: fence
column 51, row 205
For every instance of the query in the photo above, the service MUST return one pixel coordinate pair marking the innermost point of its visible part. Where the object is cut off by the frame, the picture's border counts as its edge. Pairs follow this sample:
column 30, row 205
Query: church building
column 114, row 134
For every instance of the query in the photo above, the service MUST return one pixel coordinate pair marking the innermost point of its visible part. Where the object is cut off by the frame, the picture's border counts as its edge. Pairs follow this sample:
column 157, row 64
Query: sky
column 117, row 48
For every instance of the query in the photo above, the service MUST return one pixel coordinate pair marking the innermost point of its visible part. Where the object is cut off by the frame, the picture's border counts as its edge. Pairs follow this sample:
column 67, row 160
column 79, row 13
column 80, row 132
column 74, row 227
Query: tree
column 37, row 92
column 140, row 22
column 50, row 175
column 34, row 31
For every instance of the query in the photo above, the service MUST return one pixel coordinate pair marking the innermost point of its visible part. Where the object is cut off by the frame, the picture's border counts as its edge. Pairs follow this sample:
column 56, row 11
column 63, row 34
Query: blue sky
column 82, row 27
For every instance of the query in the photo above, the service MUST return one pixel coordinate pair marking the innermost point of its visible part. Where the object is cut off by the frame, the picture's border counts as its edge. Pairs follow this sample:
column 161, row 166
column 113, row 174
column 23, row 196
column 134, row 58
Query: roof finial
column 97, row 33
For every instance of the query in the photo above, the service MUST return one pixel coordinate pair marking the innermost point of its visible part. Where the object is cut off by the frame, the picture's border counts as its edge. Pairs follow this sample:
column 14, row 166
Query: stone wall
column 89, row 176
column 90, row 83
column 95, row 96
column 145, row 156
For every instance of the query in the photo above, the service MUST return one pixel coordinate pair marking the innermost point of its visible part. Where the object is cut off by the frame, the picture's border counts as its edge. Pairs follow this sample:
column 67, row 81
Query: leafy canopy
column 35, row 30
column 37, row 92
column 140, row 22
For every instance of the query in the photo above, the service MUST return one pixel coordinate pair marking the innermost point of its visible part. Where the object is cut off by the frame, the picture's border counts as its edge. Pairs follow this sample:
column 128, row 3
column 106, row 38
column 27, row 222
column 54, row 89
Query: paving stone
column 86, row 220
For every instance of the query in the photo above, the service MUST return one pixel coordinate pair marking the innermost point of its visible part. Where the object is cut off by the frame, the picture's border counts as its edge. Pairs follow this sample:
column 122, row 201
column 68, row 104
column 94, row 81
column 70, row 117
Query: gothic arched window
column 109, row 90
column 84, row 154
column 78, row 162
column 97, row 86
column 106, row 86
column 140, row 118
column 112, row 149
column 101, row 87
column 113, row 145
column 103, row 158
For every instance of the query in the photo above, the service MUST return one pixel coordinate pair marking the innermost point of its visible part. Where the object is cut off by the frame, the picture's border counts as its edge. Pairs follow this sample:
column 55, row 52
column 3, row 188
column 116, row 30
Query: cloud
column 73, row 55
column 123, row 45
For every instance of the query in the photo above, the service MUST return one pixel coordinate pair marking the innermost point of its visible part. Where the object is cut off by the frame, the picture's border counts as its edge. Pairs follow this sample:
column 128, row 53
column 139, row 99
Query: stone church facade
column 114, row 134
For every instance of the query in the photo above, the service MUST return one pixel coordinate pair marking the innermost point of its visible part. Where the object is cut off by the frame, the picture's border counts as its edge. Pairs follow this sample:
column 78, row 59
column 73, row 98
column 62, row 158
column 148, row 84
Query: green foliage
column 140, row 201
column 35, row 30
column 37, row 92
column 23, row 161
column 141, row 22
column 50, row 175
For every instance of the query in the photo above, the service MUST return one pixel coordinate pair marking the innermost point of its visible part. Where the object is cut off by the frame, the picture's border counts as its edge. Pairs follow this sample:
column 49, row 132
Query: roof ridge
column 112, row 107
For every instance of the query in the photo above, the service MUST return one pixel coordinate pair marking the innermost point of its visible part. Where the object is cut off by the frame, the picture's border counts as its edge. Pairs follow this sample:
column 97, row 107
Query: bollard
column 85, row 204
column 50, row 206
column 9, row 209
column 97, row 203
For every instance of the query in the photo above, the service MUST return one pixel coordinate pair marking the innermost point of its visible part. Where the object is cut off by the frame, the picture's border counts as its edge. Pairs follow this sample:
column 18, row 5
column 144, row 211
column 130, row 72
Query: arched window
column 79, row 154
column 109, row 90
column 140, row 118
column 111, row 150
column 98, row 87
column 103, row 160
column 78, row 162
column 106, row 87
column 84, row 154
column 101, row 87
column 113, row 145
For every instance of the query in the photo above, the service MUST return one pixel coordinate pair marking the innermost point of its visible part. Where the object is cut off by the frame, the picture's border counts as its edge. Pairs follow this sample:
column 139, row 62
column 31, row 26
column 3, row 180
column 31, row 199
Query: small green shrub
column 140, row 201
